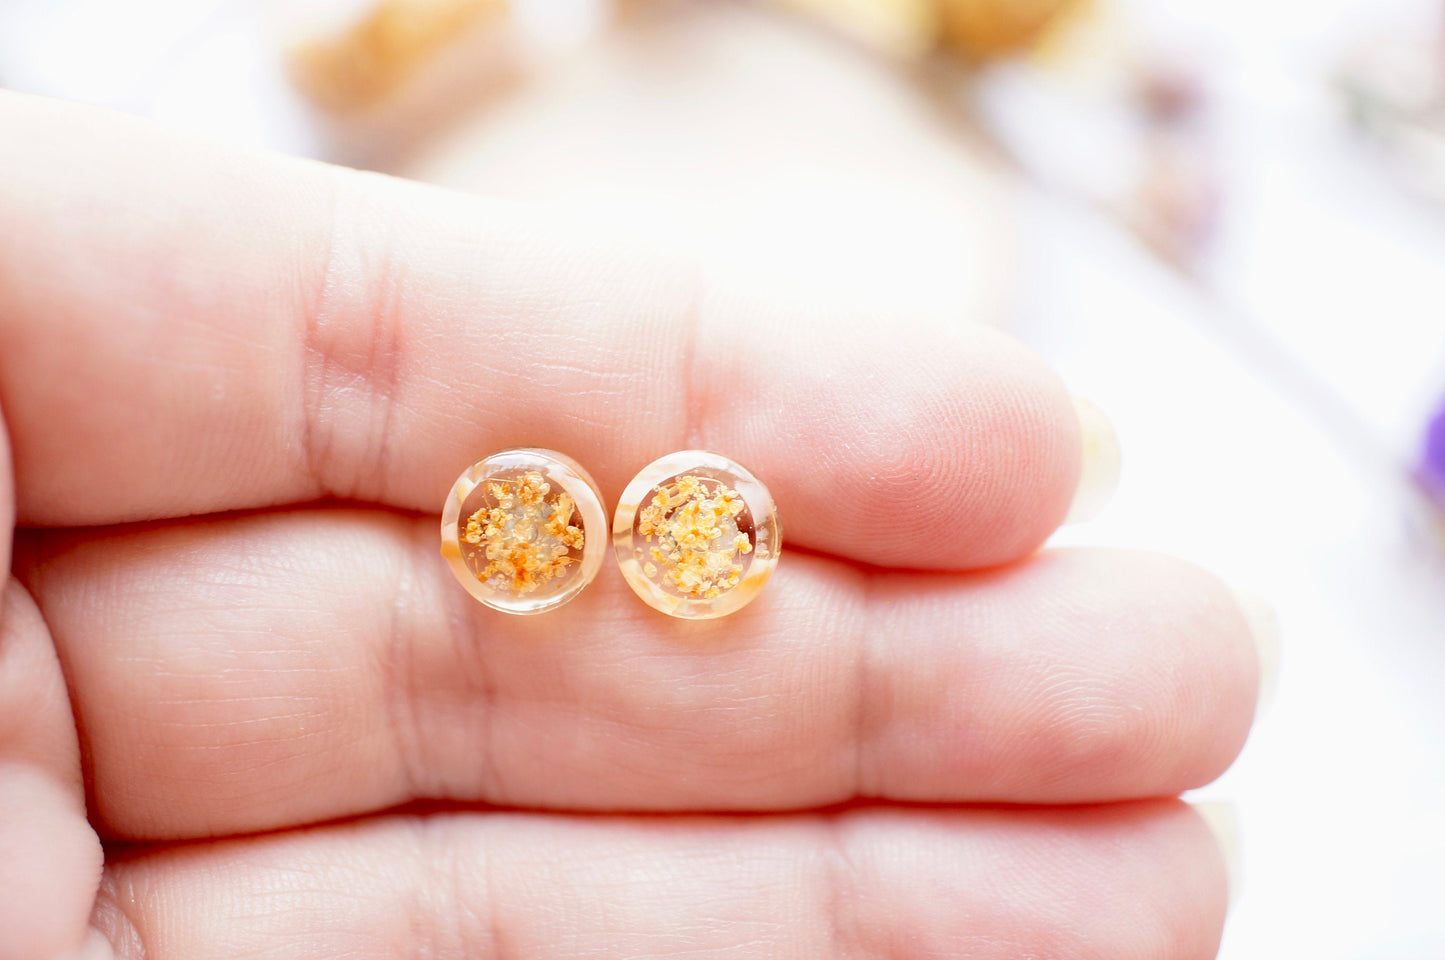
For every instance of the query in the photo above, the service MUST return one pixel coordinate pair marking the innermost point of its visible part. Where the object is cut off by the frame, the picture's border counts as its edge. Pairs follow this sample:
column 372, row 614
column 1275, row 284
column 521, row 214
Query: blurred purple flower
column 1433, row 467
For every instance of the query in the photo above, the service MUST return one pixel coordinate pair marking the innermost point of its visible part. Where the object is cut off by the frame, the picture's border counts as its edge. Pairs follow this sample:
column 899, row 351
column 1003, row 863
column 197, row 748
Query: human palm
column 236, row 389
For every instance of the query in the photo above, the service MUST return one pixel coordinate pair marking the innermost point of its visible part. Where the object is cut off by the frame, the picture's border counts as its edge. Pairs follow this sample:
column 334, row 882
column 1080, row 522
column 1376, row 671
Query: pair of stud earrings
column 695, row 534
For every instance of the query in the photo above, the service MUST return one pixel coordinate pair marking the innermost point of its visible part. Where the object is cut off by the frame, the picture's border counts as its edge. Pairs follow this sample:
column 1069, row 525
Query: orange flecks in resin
column 526, row 538
column 694, row 521
column 515, row 530
column 696, row 535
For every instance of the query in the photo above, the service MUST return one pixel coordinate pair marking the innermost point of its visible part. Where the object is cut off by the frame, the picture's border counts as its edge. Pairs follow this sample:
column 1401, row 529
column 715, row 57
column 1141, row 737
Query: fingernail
column 1223, row 821
column 1099, row 469
column 1264, row 627
column 96, row 947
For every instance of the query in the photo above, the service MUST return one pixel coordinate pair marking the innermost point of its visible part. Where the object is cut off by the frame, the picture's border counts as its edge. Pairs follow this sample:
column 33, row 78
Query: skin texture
column 231, row 383
column 900, row 685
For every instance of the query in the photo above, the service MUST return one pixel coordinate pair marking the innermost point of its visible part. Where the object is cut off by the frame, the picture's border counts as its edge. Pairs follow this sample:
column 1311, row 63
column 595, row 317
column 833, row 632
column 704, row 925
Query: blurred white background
column 1270, row 394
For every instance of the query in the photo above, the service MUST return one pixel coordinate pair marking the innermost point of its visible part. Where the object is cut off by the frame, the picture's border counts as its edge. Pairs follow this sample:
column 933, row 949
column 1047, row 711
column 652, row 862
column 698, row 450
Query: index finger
column 188, row 330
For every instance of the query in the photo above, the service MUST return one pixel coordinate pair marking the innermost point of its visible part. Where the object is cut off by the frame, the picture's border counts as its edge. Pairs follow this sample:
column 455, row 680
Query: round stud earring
column 523, row 530
column 696, row 535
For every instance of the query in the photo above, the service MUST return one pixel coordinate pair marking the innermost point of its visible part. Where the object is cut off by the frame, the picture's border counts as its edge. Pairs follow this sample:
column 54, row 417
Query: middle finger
column 253, row 672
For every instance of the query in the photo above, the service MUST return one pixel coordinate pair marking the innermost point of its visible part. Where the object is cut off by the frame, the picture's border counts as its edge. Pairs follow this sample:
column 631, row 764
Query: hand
column 236, row 389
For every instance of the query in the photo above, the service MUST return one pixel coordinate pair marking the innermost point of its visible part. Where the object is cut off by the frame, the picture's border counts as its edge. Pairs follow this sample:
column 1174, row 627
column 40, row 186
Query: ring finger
column 256, row 672
column 1134, row 880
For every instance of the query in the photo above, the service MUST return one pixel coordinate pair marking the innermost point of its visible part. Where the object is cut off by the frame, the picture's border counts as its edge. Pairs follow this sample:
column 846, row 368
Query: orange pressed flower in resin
column 522, row 530
column 696, row 535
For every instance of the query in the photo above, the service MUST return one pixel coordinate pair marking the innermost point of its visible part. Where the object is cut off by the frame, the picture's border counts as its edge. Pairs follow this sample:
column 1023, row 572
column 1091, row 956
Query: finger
column 186, row 330
column 1143, row 880
column 49, row 855
column 257, row 672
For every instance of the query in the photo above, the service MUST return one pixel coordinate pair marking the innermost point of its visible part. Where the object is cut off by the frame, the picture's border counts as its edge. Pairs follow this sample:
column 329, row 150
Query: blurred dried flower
column 1393, row 87
column 1168, row 91
column 1432, row 460
column 1176, row 204
column 903, row 28
column 384, row 50
column 988, row 29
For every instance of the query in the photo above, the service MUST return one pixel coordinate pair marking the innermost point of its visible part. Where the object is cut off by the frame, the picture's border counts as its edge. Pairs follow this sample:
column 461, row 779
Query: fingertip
column 50, row 870
column 905, row 447
column 1028, row 453
column 1264, row 629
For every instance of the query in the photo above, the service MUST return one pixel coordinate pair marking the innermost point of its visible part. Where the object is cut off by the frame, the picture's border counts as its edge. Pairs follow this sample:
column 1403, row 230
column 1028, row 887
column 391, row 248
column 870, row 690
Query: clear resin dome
column 523, row 530
column 696, row 535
